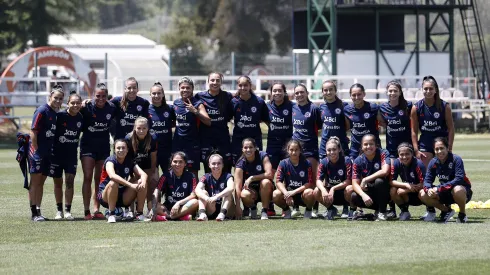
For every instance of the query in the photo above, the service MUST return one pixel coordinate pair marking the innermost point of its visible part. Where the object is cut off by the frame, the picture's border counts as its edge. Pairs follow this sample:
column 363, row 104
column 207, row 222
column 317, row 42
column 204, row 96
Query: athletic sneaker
column 111, row 219
column 381, row 216
column 88, row 217
column 314, row 214
column 405, row 216
column 221, row 217
column 160, row 218
column 296, row 213
column 462, row 218
column 308, row 215
column 445, row 216
column 430, row 217
column 59, row 215
column 253, row 214
column 128, row 216
column 68, row 216
column 271, row 212
column 38, row 219
column 350, row 215
column 98, row 215
column 246, row 212
column 186, row 218
column 331, row 214
column 391, row 214
column 345, row 213
column 202, row 217
column 263, row 215
column 287, row 214
column 142, row 218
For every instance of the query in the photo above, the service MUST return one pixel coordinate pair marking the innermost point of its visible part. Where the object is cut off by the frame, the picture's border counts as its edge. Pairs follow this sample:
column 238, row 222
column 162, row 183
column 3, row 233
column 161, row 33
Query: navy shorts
column 255, row 187
column 339, row 198
column 144, row 163
column 39, row 164
column 163, row 158
column 94, row 151
column 58, row 165
column 192, row 151
column 311, row 152
column 426, row 144
column 413, row 199
column 224, row 149
column 119, row 203
column 276, row 154
column 446, row 197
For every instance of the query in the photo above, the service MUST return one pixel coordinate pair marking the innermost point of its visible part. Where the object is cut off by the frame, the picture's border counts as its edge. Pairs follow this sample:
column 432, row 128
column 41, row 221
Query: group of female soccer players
column 332, row 173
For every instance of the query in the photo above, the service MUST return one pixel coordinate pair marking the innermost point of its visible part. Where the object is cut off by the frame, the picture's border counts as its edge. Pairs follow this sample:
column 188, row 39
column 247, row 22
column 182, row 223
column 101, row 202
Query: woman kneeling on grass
column 215, row 191
column 334, row 181
column 178, row 185
column 404, row 192
column 294, row 181
column 114, row 189
column 253, row 180
column 454, row 186
column 370, row 174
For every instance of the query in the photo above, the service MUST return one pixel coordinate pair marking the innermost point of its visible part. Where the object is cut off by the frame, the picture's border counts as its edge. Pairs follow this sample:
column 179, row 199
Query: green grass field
column 261, row 247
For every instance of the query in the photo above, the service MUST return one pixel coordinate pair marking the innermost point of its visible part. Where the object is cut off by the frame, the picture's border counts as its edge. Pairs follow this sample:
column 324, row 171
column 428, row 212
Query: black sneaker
column 246, row 212
column 446, row 216
column 462, row 218
column 391, row 215
column 345, row 212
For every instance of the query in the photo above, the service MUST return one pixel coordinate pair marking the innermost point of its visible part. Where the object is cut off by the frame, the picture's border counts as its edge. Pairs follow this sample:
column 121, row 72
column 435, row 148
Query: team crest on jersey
column 79, row 124
column 450, row 165
column 412, row 175
column 165, row 114
column 38, row 167
column 126, row 170
column 222, row 185
column 253, row 109
column 338, row 111
column 436, row 115
column 184, row 185
column 307, row 114
column 400, row 112
column 152, row 131
column 139, row 108
column 285, row 112
column 301, row 173
column 170, row 199
column 108, row 116
column 51, row 171
column 366, row 115
column 258, row 167
column 340, row 172
column 123, row 122
column 376, row 166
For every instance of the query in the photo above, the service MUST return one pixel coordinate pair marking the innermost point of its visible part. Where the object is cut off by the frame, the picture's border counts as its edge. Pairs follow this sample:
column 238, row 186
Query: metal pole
column 309, row 30
column 233, row 69
column 105, row 68
column 35, row 75
column 451, row 46
column 417, row 49
column 170, row 69
column 333, row 37
column 378, row 48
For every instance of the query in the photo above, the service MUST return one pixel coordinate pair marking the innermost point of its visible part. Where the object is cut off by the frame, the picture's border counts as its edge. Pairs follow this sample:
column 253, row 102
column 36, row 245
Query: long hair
column 134, row 137
column 340, row 103
column 402, row 102
column 300, row 145
column 437, row 97
column 124, row 99
column 247, row 78
column 306, row 90
column 286, row 96
column 120, row 140
column 257, row 154
column 335, row 140
column 159, row 86
column 221, row 98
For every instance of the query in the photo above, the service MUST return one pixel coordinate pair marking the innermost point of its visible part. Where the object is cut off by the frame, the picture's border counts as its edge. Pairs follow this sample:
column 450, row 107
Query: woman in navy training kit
column 162, row 119
column 248, row 111
column 189, row 113
column 95, row 145
column 40, row 147
column 178, row 186
column 216, row 137
column 215, row 192
column 454, row 186
column 362, row 118
column 334, row 181
column 253, row 180
column 306, row 122
column 395, row 116
column 143, row 150
column 114, row 189
column 432, row 117
column 294, row 181
column 69, row 125
column 404, row 192
column 370, row 178
column 129, row 107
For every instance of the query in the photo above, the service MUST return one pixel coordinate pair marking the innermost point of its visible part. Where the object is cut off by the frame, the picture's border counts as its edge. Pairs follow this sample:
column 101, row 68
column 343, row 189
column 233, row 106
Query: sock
column 461, row 215
column 33, row 210
column 271, row 206
column 331, row 207
column 224, row 211
column 111, row 212
column 308, row 209
column 431, row 209
column 352, row 208
column 392, row 206
column 59, row 206
column 296, row 207
column 264, row 210
column 253, row 207
column 202, row 211
column 404, row 207
column 345, row 208
column 315, row 206
column 87, row 212
column 68, row 208
column 38, row 209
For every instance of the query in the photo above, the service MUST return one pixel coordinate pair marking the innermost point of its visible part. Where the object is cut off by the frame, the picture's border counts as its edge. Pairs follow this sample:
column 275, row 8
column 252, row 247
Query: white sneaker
column 287, row 214
column 111, row 219
column 59, row 215
column 381, row 216
column 308, row 215
column 295, row 213
column 128, row 215
column 264, row 216
column 202, row 217
column 253, row 214
column 314, row 214
column 405, row 216
column 68, row 216
column 221, row 217
column 142, row 218
column 38, row 219
column 430, row 217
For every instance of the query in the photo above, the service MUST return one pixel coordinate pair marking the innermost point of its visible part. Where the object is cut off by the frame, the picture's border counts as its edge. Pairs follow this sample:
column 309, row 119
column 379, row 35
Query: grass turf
column 264, row 247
